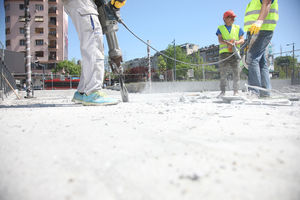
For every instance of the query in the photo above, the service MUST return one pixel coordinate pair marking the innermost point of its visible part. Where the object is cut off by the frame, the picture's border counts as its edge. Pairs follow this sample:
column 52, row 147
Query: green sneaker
column 98, row 99
column 77, row 98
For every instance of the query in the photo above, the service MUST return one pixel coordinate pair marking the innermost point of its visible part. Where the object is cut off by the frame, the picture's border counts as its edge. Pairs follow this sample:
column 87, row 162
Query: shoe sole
column 77, row 101
column 100, row 104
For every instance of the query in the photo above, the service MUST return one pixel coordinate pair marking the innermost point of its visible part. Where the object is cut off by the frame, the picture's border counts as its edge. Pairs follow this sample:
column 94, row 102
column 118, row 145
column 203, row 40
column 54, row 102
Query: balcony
column 52, row 57
column 52, row 35
column 52, row 22
column 52, row 11
column 52, row 47
column 52, row 2
column 52, row 25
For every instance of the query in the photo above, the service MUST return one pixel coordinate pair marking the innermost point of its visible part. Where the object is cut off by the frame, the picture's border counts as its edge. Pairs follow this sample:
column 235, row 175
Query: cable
column 192, row 64
column 286, row 52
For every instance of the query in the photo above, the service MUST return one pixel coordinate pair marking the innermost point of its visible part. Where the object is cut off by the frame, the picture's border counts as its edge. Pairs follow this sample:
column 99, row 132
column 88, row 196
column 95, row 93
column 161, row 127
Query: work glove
column 118, row 3
column 254, row 29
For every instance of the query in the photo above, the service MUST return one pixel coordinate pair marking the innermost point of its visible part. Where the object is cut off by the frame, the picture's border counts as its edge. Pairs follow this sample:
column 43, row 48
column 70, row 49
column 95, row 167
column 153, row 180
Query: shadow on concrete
column 40, row 105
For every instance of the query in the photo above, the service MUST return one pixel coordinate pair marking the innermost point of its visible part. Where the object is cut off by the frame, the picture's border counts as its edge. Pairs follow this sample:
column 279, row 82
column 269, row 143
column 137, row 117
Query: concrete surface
column 195, row 86
column 168, row 146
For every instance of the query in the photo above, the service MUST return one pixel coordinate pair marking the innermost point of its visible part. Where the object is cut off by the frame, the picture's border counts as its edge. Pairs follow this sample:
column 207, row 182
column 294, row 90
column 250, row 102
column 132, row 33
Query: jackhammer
column 251, row 39
column 109, row 16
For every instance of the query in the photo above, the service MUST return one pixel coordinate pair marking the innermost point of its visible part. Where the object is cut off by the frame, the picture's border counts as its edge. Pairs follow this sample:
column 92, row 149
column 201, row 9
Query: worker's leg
column 254, row 57
column 265, row 76
column 223, row 68
column 85, row 19
column 235, row 65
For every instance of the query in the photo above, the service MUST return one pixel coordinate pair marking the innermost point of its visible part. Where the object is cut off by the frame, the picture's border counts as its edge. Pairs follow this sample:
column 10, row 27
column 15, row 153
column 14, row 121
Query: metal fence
column 296, row 77
column 7, row 81
column 186, row 74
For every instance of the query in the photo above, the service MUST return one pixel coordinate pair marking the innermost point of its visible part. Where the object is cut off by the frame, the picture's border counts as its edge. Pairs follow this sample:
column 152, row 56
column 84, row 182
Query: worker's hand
column 118, row 3
column 229, row 44
column 254, row 29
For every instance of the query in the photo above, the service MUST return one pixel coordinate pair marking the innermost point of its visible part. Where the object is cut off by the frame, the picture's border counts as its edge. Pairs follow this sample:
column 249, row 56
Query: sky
column 185, row 21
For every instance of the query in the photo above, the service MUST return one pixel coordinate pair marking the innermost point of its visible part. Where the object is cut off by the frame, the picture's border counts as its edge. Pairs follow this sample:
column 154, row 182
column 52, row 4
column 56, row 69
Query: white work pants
column 84, row 15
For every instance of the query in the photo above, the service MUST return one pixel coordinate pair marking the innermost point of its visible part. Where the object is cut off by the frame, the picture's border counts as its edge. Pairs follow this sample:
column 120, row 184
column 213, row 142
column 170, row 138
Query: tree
column 161, row 63
column 181, row 68
column 67, row 67
column 284, row 65
column 167, row 64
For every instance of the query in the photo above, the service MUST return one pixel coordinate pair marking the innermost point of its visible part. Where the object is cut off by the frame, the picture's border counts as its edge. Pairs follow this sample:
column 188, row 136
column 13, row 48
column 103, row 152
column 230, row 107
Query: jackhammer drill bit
column 123, row 89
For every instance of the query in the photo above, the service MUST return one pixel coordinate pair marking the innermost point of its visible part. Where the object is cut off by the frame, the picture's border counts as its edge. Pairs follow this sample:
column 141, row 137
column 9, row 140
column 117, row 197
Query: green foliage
column 67, row 67
column 181, row 68
column 284, row 65
column 165, row 64
column 161, row 63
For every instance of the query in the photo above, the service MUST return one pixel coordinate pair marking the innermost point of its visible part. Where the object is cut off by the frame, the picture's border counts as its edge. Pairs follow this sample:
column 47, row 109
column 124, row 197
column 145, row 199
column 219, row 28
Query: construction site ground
column 163, row 146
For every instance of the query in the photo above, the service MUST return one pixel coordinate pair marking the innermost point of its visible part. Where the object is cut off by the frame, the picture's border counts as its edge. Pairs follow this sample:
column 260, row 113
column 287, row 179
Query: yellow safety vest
column 233, row 35
column 252, row 13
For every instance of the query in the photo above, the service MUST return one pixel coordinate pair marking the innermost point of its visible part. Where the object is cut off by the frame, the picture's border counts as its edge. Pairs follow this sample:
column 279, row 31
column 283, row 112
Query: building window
column 7, row 19
column 39, row 30
column 52, row 31
column 52, row 0
column 52, row 55
column 52, row 44
column 21, row 19
column 39, row 19
column 7, row 31
column 39, row 54
column 7, row 42
column 22, row 42
column 22, row 30
column 21, row 6
column 39, row 42
column 52, row 21
column 51, row 65
column 52, row 10
column 39, row 7
column 7, row 7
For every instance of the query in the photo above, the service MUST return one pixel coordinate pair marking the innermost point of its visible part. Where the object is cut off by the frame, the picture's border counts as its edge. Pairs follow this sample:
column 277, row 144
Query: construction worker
column 229, row 35
column 84, row 16
column 260, row 20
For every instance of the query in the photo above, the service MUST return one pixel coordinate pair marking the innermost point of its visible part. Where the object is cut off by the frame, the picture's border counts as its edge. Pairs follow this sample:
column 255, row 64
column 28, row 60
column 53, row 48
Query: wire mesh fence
column 184, row 74
column 59, row 81
column 7, row 81
column 296, row 76
column 53, row 81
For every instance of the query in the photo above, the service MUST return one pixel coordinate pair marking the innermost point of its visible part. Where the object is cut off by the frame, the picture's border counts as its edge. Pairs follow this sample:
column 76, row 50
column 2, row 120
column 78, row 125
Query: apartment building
column 210, row 53
column 189, row 48
column 48, row 30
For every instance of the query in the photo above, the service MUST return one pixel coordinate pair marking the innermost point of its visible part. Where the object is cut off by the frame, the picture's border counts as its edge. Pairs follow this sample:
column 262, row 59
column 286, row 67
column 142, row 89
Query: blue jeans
column 257, row 63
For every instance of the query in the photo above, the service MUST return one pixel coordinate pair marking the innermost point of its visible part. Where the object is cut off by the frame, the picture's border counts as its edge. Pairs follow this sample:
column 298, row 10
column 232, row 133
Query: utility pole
column 29, row 91
column 1, row 76
column 293, row 71
column 149, row 64
column 174, row 78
